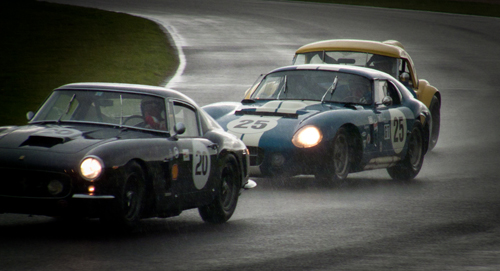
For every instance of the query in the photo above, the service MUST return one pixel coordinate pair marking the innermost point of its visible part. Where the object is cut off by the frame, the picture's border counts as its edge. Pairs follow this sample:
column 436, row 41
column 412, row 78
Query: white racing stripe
column 250, row 128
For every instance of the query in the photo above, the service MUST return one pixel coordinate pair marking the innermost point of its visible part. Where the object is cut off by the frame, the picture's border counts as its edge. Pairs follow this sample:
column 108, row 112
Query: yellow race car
column 387, row 56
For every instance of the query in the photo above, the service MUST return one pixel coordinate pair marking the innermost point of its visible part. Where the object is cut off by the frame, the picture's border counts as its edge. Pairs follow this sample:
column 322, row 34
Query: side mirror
column 387, row 101
column 404, row 77
column 30, row 115
column 179, row 129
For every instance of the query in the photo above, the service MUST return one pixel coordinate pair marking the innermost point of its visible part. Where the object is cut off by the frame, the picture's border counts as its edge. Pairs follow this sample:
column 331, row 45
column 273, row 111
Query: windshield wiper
column 330, row 89
column 68, row 108
column 283, row 88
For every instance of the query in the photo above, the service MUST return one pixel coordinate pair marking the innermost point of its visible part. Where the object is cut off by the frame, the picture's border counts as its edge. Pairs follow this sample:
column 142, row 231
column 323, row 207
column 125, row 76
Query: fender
column 425, row 92
column 217, row 110
column 131, row 149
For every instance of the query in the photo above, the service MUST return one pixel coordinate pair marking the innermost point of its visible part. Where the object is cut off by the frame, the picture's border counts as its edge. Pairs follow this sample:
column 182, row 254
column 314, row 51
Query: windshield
column 378, row 62
column 113, row 108
column 327, row 86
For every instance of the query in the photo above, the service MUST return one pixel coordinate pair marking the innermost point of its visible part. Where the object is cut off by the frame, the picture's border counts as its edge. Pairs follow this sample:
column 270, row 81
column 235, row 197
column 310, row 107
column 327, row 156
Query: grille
column 256, row 156
column 32, row 184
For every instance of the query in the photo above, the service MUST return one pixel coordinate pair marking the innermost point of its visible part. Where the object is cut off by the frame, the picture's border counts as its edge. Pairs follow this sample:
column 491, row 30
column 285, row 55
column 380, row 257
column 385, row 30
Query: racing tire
column 341, row 157
column 408, row 168
column 435, row 109
column 222, row 207
column 126, row 210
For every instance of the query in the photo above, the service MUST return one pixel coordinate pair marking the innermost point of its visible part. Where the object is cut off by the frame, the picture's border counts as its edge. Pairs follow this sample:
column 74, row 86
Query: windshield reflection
column 316, row 85
column 360, row 59
column 113, row 108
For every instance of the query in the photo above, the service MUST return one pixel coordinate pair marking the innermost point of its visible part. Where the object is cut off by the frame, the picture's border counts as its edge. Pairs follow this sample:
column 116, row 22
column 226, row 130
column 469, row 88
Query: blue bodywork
column 378, row 131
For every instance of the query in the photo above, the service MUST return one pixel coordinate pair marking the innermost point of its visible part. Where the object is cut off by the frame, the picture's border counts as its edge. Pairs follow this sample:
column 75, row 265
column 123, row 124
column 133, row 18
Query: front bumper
column 51, row 193
column 289, row 162
column 78, row 205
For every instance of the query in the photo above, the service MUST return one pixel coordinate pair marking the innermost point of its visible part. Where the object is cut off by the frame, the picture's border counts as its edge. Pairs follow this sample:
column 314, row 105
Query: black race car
column 121, row 152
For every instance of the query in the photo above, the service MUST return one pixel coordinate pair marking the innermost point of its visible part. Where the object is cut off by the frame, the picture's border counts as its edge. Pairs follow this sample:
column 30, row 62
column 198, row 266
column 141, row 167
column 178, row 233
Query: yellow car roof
column 389, row 48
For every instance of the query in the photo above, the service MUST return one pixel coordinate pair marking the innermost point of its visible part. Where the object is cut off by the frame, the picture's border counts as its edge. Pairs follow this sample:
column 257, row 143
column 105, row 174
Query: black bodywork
column 146, row 171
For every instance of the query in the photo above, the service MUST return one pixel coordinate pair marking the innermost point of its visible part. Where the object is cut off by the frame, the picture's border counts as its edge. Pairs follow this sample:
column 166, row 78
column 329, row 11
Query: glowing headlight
column 307, row 137
column 91, row 168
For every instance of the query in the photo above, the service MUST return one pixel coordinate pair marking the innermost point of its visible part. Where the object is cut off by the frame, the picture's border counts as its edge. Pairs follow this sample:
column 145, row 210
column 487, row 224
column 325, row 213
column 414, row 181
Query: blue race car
column 329, row 121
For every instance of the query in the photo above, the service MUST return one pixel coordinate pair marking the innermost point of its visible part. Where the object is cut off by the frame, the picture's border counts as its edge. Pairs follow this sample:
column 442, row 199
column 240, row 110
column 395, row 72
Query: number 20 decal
column 201, row 164
column 251, row 125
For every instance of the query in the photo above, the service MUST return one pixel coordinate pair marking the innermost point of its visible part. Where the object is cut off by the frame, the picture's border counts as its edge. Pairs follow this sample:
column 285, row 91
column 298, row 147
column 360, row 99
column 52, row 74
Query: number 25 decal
column 251, row 125
column 399, row 129
column 257, row 124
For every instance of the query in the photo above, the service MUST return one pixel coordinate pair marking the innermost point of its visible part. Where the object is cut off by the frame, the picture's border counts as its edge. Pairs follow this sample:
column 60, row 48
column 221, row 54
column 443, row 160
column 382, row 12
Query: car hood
column 272, row 123
column 53, row 138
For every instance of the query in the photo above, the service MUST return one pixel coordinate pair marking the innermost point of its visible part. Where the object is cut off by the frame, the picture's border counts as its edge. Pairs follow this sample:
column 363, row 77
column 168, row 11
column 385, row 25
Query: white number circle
column 398, row 130
column 201, row 164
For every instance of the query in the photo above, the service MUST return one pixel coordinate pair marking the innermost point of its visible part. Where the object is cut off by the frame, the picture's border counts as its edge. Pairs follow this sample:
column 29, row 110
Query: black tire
column 224, row 204
column 340, row 162
column 410, row 166
column 126, row 210
column 435, row 109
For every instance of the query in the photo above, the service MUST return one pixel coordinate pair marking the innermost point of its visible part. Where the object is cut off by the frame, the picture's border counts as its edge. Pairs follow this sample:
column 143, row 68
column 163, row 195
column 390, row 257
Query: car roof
column 131, row 88
column 391, row 48
column 362, row 71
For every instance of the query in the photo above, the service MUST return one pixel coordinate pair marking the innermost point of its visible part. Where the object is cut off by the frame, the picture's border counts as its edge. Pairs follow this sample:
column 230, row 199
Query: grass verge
column 47, row 45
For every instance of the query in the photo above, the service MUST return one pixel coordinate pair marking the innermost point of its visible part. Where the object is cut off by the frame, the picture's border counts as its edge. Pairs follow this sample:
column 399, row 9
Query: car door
column 393, row 119
column 194, row 156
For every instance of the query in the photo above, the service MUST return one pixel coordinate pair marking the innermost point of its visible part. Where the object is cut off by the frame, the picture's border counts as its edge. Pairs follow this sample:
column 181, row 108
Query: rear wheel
column 224, row 204
column 127, row 209
column 435, row 109
column 410, row 166
column 340, row 161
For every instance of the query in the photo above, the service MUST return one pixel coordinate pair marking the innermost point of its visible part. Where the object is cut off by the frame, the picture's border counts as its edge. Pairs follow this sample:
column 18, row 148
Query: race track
column 447, row 219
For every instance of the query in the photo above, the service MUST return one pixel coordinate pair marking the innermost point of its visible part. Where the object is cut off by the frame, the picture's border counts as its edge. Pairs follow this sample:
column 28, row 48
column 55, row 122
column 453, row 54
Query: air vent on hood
column 266, row 113
column 42, row 141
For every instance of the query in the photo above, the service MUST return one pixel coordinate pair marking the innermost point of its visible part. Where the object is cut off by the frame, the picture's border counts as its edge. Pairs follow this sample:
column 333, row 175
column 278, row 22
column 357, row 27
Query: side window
column 393, row 92
column 385, row 88
column 186, row 114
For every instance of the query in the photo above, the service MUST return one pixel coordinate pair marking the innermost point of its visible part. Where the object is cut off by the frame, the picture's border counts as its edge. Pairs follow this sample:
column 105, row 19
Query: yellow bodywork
column 390, row 48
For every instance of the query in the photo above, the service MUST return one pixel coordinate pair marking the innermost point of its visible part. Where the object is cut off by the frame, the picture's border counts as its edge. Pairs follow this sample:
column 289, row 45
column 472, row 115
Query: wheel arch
column 426, row 91
column 426, row 130
column 148, row 176
column 239, row 164
column 355, row 143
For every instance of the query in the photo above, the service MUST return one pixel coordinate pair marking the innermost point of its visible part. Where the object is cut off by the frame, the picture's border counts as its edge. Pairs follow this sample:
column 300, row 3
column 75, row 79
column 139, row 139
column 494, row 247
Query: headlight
column 307, row 137
column 91, row 168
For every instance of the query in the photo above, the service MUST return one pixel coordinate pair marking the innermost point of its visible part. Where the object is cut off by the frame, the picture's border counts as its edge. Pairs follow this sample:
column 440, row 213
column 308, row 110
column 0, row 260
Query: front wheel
column 224, row 204
column 410, row 166
column 127, row 209
column 339, row 163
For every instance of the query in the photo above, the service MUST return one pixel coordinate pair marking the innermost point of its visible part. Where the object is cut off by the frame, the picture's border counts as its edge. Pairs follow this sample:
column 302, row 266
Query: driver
column 360, row 92
column 381, row 63
column 152, row 109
